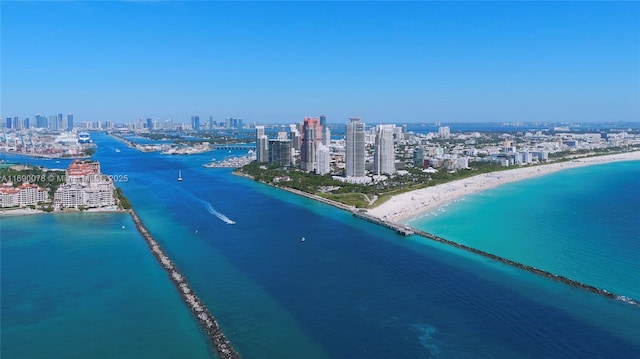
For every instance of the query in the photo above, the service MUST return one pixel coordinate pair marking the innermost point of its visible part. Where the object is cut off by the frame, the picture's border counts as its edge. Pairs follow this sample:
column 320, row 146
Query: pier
column 220, row 343
column 405, row 230
column 399, row 228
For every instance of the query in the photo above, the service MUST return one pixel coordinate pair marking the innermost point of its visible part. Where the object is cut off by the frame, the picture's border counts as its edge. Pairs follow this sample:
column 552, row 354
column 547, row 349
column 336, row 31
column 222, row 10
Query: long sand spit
column 408, row 205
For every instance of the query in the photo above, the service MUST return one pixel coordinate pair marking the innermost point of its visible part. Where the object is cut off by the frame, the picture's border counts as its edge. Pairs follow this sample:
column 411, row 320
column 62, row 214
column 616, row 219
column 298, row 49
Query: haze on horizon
column 270, row 62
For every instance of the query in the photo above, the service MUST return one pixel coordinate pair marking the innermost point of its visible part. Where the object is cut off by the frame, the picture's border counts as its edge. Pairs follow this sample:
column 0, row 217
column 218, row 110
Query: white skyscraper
column 384, row 157
column 262, row 145
column 323, row 159
column 354, row 152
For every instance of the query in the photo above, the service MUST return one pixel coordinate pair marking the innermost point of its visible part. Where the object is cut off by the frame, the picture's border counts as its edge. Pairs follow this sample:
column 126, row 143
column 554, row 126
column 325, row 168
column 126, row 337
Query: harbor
column 221, row 345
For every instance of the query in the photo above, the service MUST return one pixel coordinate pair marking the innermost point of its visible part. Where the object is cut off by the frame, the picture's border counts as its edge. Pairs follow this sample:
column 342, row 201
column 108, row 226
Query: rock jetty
column 406, row 230
column 220, row 343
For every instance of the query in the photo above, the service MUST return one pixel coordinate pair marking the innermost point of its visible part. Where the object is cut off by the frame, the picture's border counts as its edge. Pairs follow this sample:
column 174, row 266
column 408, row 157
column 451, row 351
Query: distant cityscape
column 358, row 154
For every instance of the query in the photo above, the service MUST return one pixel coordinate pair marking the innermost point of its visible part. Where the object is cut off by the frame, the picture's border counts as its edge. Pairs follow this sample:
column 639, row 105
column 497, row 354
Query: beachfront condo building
column 280, row 152
column 85, row 186
column 354, row 151
column 384, row 156
column 323, row 159
column 262, row 145
column 311, row 136
column 23, row 195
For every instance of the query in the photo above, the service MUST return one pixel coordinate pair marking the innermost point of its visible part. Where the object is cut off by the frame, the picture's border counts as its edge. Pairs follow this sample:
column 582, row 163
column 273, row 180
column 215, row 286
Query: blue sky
column 271, row 62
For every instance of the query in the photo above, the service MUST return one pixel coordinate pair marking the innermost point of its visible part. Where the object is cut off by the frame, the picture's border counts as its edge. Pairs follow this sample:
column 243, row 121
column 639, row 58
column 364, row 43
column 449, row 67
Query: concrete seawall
column 406, row 230
column 220, row 343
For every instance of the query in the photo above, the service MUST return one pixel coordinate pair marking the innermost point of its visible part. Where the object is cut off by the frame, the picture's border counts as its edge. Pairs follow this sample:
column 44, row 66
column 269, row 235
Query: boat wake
column 221, row 216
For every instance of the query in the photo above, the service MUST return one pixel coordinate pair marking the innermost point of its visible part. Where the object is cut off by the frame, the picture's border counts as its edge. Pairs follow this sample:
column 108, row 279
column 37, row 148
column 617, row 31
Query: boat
column 179, row 175
column 117, row 150
column 84, row 137
column 302, row 240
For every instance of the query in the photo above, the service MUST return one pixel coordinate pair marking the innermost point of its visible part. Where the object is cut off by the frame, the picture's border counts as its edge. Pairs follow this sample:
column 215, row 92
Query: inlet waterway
column 352, row 289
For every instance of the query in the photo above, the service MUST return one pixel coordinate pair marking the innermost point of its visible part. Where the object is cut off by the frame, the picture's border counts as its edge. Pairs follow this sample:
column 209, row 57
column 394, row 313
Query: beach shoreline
column 12, row 212
column 406, row 206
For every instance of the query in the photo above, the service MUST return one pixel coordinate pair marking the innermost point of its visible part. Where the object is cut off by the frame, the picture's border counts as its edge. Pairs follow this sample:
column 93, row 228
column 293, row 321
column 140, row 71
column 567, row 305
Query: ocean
column 350, row 290
column 583, row 223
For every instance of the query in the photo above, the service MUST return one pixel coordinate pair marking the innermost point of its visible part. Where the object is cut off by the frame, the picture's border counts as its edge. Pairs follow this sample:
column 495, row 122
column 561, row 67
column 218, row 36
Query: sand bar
column 411, row 204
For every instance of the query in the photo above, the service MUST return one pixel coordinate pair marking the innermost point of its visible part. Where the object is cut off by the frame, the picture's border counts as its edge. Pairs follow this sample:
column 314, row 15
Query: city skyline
column 280, row 62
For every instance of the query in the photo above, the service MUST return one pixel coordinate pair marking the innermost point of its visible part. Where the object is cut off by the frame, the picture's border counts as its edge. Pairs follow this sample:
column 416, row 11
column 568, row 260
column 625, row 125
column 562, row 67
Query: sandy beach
column 19, row 212
column 28, row 211
column 411, row 204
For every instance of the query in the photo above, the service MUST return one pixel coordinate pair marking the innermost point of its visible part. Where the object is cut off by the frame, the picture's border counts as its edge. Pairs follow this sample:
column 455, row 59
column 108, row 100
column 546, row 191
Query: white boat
column 179, row 175
column 117, row 150
column 302, row 240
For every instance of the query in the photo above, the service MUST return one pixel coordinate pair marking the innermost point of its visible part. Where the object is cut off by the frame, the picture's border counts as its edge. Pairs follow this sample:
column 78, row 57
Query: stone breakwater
column 220, row 343
column 400, row 228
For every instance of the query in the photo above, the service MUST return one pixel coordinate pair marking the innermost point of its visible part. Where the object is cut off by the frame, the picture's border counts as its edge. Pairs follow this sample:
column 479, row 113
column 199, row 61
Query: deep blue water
column 351, row 290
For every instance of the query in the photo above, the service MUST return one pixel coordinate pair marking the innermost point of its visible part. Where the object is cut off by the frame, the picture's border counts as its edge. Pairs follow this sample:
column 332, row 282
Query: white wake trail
column 212, row 210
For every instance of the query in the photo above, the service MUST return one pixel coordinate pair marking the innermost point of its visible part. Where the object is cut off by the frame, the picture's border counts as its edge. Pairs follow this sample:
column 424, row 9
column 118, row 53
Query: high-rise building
column 61, row 124
column 311, row 135
column 326, row 136
column 323, row 159
column 211, row 122
column 384, row 157
column 262, row 145
column 53, row 122
column 149, row 124
column 444, row 132
column 418, row 157
column 17, row 124
column 354, row 151
column 295, row 136
column 41, row 121
column 280, row 152
column 323, row 123
column 69, row 122
column 195, row 123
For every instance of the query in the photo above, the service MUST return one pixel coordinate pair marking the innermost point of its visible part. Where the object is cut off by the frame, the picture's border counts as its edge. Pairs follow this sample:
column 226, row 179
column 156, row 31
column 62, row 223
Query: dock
column 221, row 345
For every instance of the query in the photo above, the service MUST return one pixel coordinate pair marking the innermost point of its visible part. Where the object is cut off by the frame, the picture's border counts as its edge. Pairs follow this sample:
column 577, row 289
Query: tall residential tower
column 354, row 152
column 384, row 157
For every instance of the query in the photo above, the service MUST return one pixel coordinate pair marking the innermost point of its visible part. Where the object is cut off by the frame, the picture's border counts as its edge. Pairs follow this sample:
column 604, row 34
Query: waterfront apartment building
column 323, row 123
column 295, row 136
column 355, row 146
column 85, row 186
column 280, row 152
column 384, row 156
column 323, row 159
column 311, row 136
column 262, row 145
column 23, row 195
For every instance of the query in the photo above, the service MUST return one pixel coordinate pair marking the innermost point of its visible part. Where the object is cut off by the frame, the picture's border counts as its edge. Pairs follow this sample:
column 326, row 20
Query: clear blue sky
column 280, row 61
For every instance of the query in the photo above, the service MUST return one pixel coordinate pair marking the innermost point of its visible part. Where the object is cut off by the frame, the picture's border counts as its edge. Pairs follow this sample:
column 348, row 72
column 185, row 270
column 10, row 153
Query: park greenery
column 372, row 195
column 358, row 195
column 123, row 202
column 49, row 179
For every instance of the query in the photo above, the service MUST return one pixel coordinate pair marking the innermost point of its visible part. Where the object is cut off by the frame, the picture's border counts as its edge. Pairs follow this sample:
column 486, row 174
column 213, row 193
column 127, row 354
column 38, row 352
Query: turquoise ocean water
column 582, row 223
column 351, row 290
